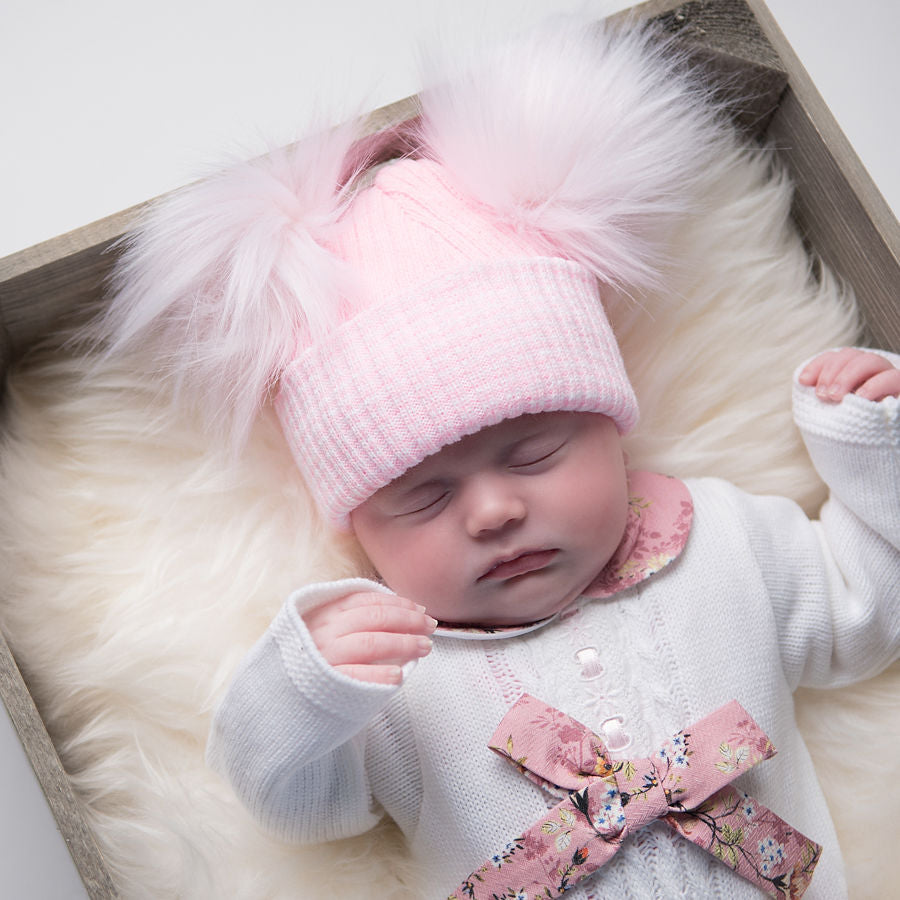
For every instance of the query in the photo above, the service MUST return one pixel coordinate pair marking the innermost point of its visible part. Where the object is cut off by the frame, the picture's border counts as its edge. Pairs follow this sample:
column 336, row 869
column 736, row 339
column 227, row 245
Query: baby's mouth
column 521, row 564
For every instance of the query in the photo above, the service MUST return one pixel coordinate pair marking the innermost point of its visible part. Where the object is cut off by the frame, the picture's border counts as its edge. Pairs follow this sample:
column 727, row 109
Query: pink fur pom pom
column 587, row 136
column 221, row 280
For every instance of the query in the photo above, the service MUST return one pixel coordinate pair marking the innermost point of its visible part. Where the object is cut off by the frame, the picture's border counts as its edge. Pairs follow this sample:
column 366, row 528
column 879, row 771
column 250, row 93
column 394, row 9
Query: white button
column 591, row 667
column 614, row 733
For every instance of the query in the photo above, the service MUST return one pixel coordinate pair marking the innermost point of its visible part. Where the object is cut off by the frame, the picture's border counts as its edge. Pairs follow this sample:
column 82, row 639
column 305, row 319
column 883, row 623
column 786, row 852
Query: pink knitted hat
column 465, row 324
column 461, row 288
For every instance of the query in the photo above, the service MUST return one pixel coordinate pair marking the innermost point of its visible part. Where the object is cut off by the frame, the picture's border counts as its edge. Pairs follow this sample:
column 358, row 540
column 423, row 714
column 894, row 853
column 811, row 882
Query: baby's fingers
column 884, row 384
column 373, row 617
column 376, row 648
column 371, row 636
column 838, row 373
column 355, row 607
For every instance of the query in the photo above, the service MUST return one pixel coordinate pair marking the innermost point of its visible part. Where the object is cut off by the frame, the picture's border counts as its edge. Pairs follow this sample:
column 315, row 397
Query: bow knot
column 686, row 784
column 649, row 800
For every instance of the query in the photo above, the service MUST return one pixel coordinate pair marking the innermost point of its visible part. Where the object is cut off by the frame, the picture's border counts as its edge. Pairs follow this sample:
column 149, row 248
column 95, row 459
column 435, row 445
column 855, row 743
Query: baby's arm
column 371, row 636
column 290, row 732
column 851, row 371
column 846, row 405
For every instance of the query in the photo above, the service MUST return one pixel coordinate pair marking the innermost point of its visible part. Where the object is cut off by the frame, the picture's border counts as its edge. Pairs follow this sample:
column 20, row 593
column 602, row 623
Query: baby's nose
column 493, row 506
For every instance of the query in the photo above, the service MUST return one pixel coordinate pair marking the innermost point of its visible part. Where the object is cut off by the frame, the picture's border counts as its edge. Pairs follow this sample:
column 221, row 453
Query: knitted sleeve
column 855, row 447
column 290, row 732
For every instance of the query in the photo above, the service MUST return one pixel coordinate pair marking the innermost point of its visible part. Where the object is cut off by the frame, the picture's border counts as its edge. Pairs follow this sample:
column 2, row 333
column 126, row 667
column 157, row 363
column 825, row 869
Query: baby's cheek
column 418, row 568
column 605, row 513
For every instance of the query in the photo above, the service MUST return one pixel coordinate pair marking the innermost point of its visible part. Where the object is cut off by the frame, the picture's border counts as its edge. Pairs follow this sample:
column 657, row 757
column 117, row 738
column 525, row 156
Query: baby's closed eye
column 425, row 498
column 532, row 454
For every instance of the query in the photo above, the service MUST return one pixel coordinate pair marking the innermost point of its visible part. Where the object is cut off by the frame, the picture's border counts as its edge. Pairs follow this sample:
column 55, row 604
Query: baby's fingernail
column 431, row 623
column 420, row 608
column 423, row 645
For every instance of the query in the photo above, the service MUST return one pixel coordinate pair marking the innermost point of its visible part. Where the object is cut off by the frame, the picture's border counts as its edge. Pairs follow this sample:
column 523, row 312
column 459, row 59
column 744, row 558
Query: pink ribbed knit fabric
column 463, row 324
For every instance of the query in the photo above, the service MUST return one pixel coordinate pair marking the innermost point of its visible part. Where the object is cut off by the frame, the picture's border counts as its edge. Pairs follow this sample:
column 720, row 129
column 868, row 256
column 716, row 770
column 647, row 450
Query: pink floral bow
column 686, row 784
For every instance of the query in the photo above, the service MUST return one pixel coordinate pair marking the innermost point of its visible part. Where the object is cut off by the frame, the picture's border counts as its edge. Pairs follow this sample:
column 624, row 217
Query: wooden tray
column 838, row 210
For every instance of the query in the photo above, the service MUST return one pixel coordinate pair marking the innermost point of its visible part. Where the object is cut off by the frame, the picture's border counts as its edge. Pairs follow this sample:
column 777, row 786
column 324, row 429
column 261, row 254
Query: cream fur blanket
column 140, row 563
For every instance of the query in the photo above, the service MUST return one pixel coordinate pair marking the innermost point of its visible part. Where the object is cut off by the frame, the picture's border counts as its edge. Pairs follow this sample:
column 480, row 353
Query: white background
column 108, row 102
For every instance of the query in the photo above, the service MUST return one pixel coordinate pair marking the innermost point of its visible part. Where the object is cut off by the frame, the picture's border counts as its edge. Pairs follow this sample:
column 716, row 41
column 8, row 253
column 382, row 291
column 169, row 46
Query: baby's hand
column 850, row 371
column 370, row 636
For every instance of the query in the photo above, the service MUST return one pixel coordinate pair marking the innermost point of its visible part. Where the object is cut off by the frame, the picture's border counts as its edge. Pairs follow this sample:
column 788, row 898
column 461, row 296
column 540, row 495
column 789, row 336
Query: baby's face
column 507, row 525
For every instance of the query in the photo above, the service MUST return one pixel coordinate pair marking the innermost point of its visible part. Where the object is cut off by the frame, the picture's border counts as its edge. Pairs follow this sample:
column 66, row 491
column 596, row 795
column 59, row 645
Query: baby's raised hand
column 370, row 636
column 850, row 371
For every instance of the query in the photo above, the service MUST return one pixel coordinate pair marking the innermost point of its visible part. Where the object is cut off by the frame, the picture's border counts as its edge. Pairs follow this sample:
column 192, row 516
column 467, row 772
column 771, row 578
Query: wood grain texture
column 725, row 41
column 52, row 778
column 725, row 26
column 43, row 286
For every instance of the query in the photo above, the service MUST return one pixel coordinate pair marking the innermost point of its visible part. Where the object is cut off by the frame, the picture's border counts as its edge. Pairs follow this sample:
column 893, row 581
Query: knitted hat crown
column 461, row 288
column 466, row 323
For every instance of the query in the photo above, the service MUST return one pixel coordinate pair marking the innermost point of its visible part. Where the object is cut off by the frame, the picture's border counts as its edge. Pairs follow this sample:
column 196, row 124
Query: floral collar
column 659, row 521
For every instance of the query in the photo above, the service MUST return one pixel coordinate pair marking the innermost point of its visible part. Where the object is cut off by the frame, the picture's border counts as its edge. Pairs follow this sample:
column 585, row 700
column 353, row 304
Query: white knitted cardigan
column 760, row 602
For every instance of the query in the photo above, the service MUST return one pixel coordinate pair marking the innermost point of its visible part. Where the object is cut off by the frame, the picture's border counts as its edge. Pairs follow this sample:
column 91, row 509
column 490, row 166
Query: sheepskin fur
column 140, row 560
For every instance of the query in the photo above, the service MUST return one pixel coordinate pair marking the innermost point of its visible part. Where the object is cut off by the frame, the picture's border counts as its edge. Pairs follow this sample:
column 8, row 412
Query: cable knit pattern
column 760, row 602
